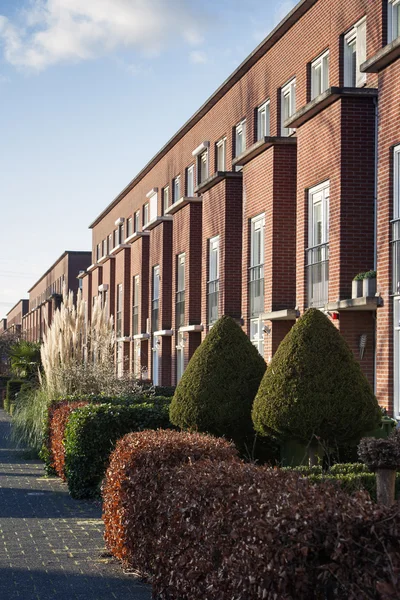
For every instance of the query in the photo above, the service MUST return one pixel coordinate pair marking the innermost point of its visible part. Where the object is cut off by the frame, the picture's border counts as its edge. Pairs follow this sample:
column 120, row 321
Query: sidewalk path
column 51, row 547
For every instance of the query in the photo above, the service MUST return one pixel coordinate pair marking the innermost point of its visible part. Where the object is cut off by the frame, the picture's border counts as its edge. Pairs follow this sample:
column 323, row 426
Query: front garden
column 248, row 483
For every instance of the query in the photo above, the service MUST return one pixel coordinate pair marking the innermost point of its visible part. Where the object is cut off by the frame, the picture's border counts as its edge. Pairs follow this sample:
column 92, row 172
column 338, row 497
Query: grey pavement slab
column 51, row 546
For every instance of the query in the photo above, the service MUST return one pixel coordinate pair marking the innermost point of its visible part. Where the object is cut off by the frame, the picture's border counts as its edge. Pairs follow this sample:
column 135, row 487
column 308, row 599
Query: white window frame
column 396, row 298
column 393, row 27
column 322, row 64
column 357, row 36
column 257, row 334
column 257, row 223
column 153, row 207
column 146, row 214
column 263, row 109
column 181, row 265
column 180, row 356
column 240, row 134
column 202, row 167
column 288, row 91
column 176, row 192
column 166, row 198
column 221, row 144
column 136, row 222
column 312, row 193
column 213, row 244
column 129, row 227
column 119, row 310
column 190, row 181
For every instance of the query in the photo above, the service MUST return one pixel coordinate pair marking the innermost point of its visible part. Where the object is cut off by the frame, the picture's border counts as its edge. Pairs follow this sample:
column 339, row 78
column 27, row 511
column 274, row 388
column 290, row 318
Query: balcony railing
column 256, row 290
column 154, row 315
column 396, row 256
column 180, row 308
column 213, row 294
column 317, row 275
column 135, row 320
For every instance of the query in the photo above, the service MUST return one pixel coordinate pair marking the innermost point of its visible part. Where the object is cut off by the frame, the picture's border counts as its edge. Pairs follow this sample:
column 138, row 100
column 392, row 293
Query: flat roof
column 16, row 304
column 63, row 255
column 294, row 15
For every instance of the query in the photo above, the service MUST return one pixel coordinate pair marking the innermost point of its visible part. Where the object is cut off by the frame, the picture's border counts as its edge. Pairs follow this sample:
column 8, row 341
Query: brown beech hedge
column 57, row 421
column 138, row 468
column 234, row 531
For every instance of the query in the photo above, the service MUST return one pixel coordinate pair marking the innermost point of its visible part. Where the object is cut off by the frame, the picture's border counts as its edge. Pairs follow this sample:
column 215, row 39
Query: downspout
column 375, row 221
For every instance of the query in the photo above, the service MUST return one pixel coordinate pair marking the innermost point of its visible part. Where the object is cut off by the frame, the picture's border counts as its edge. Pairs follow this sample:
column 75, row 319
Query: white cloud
column 54, row 31
column 198, row 57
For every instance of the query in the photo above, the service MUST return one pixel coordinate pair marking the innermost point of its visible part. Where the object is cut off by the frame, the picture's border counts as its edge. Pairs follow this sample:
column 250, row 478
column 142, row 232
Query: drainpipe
column 375, row 220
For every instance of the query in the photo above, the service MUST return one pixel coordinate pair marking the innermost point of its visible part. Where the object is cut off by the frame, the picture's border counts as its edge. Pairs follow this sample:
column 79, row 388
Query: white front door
column 396, row 340
column 155, row 361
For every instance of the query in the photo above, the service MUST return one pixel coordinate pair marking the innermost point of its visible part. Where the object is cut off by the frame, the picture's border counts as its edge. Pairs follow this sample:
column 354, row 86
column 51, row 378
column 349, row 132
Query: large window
column 213, row 279
column 393, row 20
column 190, row 181
column 320, row 75
column 240, row 137
column 202, row 166
column 318, row 245
column 118, row 327
column 221, row 154
column 288, row 105
column 263, row 118
column 129, row 227
column 180, row 290
column 256, row 272
column 146, row 213
column 176, row 188
column 153, row 201
column 355, row 53
column 121, row 233
column 136, row 221
column 396, row 222
column 135, row 305
column 156, row 298
column 165, row 199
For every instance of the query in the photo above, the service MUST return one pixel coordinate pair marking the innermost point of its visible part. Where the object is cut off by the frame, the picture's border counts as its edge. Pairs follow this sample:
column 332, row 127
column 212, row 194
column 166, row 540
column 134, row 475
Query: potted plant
column 383, row 457
column 357, row 286
column 369, row 284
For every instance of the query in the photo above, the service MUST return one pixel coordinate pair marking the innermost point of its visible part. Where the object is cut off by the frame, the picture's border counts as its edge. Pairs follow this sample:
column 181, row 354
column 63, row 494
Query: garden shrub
column 58, row 418
column 314, row 389
column 217, row 389
column 134, row 482
column 12, row 388
column 379, row 453
column 237, row 531
column 91, row 434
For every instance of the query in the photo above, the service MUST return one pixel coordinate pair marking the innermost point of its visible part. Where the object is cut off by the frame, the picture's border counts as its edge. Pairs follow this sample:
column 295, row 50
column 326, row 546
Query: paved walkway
column 51, row 547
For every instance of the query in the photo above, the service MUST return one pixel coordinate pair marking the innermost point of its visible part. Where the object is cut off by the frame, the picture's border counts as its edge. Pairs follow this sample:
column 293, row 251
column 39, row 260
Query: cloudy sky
column 89, row 91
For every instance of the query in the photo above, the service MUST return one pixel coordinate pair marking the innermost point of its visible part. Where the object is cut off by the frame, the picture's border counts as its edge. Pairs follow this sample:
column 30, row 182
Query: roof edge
column 297, row 11
column 63, row 255
column 16, row 304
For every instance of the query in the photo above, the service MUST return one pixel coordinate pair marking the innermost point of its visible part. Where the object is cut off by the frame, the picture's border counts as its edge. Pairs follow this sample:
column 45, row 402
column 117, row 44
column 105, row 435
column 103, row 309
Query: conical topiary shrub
column 217, row 389
column 314, row 388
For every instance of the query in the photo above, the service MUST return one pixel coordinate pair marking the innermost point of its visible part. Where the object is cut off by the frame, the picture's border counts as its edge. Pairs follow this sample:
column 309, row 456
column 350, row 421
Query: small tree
column 217, row 389
column 314, row 389
column 25, row 360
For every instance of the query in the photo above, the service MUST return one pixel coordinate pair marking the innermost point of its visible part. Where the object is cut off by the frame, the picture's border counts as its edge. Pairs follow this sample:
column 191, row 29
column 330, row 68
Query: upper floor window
column 288, row 105
column 355, row 53
column 145, row 214
column 121, row 233
column 135, row 307
column 393, row 20
column 136, row 221
column 104, row 247
column 263, row 117
column 110, row 243
column 396, row 222
column 115, row 237
column 240, row 137
column 118, row 322
column 153, row 202
column 221, row 154
column 320, row 75
column 256, row 274
column 190, row 181
column 98, row 252
column 166, row 198
column 213, row 279
column 202, row 166
column 318, row 245
column 176, row 188
column 129, row 227
column 180, row 290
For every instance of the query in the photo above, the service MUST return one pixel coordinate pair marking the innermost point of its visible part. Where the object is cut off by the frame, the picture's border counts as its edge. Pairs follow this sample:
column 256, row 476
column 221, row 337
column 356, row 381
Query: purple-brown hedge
column 58, row 419
column 234, row 531
column 138, row 468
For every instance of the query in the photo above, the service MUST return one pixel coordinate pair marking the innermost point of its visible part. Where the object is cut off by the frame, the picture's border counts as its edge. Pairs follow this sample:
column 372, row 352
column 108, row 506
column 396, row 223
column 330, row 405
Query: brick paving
column 51, row 546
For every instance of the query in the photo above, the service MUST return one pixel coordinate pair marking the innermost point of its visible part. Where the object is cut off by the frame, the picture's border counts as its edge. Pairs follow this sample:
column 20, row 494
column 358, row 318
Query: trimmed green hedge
column 351, row 477
column 91, row 434
column 13, row 387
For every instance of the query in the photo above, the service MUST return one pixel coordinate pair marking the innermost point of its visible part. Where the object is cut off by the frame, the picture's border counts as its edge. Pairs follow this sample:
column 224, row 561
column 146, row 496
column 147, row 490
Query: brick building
column 16, row 315
column 46, row 294
column 281, row 188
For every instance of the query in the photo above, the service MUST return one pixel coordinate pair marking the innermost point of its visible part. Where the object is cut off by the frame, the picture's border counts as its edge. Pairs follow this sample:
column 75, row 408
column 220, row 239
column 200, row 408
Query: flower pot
column 356, row 288
column 369, row 287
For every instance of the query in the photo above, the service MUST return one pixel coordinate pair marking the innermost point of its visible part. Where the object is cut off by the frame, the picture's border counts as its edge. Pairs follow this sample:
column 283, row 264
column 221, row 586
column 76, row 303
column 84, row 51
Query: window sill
column 171, row 210
column 135, row 236
column 149, row 226
column 118, row 249
column 288, row 314
column 216, row 178
column 366, row 303
column 326, row 99
column 141, row 336
column 93, row 267
column 261, row 146
column 103, row 259
column 191, row 328
column 82, row 275
column 384, row 57
column 163, row 333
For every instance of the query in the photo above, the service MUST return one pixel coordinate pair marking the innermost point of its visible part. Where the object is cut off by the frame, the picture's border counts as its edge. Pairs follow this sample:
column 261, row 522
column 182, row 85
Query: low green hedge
column 13, row 387
column 92, row 432
column 352, row 477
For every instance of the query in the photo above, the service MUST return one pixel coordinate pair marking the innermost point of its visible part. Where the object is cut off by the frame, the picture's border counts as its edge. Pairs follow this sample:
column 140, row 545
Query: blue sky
column 89, row 91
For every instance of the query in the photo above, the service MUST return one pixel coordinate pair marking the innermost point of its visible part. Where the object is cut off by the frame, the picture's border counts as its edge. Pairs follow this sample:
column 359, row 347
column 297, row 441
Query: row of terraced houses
column 280, row 189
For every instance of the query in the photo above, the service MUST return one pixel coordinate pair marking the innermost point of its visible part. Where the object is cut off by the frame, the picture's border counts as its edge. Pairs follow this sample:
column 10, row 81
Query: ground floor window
column 396, row 370
column 257, row 334
column 137, row 371
column 180, row 357
column 120, row 359
column 155, row 356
